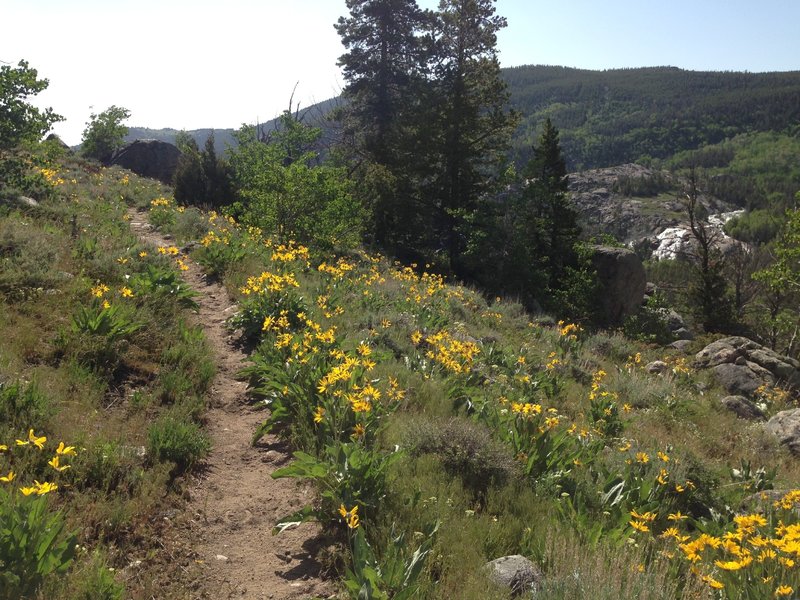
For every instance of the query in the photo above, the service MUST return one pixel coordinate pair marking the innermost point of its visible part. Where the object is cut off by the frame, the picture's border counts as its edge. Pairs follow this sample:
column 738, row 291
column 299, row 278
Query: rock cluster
column 742, row 366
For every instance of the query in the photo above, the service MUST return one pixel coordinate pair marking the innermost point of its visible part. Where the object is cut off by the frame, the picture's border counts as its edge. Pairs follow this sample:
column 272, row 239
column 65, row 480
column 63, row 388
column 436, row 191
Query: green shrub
column 467, row 450
column 27, row 256
column 172, row 439
column 95, row 581
column 649, row 324
column 23, row 406
column 33, row 544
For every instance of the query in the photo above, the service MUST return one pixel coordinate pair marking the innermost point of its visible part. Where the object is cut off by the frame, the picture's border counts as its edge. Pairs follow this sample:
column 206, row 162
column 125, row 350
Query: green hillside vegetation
column 628, row 115
column 424, row 331
column 624, row 115
column 103, row 385
column 756, row 171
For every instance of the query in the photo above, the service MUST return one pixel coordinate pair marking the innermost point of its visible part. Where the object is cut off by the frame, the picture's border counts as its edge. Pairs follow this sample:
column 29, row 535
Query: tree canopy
column 20, row 121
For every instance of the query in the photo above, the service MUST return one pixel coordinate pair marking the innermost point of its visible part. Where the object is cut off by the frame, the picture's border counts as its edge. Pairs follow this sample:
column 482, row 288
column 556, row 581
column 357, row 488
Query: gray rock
column 26, row 201
column 683, row 334
column 742, row 365
column 149, row 158
column 786, row 427
column 742, row 407
column 623, row 282
column 737, row 379
column 681, row 345
column 515, row 572
column 657, row 367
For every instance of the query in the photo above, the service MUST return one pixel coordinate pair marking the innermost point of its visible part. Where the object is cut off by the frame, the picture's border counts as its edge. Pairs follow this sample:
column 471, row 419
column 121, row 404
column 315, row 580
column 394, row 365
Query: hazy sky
column 189, row 64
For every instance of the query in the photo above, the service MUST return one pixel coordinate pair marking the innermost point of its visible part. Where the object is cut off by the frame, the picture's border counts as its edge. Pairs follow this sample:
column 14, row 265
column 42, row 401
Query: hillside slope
column 623, row 115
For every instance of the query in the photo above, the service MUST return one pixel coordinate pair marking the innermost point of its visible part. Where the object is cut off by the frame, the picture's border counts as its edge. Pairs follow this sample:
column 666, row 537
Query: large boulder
column 786, row 427
column 516, row 573
column 741, row 365
column 623, row 282
column 149, row 158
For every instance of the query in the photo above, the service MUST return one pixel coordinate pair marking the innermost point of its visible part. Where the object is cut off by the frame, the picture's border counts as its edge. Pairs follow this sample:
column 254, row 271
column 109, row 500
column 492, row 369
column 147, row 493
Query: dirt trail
column 234, row 503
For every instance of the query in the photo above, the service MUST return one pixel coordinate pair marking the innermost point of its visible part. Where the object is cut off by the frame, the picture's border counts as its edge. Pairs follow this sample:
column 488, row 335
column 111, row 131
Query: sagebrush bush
column 23, row 406
column 27, row 258
column 465, row 449
column 173, row 439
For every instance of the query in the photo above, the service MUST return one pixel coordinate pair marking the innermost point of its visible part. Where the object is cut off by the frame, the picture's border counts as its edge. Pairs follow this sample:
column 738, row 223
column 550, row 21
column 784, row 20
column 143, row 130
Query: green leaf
column 305, row 514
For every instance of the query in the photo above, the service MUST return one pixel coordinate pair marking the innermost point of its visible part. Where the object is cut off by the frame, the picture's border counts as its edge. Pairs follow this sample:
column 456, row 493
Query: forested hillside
column 624, row 115
column 617, row 116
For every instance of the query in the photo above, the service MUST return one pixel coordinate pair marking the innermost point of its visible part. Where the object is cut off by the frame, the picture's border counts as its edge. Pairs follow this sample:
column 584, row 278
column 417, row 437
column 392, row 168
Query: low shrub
column 172, row 439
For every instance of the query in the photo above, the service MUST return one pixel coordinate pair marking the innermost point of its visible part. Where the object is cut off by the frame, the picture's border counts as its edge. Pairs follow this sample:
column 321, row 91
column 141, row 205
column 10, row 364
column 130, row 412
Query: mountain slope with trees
column 624, row 115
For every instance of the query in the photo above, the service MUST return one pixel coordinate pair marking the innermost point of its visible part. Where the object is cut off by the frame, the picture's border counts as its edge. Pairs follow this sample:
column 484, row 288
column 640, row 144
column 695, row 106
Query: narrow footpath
column 234, row 502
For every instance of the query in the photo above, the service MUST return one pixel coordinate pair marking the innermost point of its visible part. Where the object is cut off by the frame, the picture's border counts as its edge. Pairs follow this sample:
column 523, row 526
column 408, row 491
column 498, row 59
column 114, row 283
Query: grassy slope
column 129, row 401
column 464, row 366
column 461, row 463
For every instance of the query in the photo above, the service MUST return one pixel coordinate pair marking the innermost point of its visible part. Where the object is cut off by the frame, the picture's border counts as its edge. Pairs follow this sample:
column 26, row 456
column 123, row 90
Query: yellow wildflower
column 358, row 431
column 66, row 450
column 8, row 478
column 350, row 516
column 33, row 439
column 55, row 463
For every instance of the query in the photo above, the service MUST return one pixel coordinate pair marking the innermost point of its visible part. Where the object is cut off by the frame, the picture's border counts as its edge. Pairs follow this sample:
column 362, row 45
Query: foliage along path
column 234, row 502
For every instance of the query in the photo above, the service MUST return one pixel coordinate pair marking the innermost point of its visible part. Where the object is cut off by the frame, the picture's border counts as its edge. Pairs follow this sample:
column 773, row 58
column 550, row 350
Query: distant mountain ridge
column 224, row 137
column 619, row 116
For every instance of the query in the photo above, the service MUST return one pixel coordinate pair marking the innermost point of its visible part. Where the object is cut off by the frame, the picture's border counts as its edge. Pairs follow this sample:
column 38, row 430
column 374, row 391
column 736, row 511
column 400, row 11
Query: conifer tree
column 547, row 202
column 384, row 70
column 474, row 126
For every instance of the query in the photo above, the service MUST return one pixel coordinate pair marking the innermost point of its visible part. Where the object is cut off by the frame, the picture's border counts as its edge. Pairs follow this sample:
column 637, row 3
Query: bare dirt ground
column 234, row 502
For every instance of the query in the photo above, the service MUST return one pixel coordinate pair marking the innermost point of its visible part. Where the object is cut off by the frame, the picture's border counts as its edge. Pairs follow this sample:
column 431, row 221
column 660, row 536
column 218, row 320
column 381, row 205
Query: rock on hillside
column 742, row 365
column 149, row 158
column 623, row 281
column 636, row 204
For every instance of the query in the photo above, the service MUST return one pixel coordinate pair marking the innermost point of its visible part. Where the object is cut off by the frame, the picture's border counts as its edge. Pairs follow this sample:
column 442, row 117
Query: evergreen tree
column 547, row 206
column 383, row 56
column 201, row 178
column 189, row 181
column 708, row 292
column 384, row 70
column 473, row 126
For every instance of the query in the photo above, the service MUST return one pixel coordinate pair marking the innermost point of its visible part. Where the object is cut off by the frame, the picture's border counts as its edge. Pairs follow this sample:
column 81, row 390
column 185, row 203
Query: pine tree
column 547, row 204
column 473, row 124
column 384, row 70
column 707, row 292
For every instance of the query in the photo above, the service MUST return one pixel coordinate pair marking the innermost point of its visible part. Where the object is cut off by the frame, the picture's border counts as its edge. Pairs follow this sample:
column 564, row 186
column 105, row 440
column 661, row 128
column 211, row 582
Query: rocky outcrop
column 516, row 573
column 786, row 427
column 149, row 158
column 623, row 281
column 643, row 208
column 742, row 365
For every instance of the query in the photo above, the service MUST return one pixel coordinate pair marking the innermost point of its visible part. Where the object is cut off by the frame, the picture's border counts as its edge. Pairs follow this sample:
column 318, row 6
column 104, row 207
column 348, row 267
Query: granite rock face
column 786, row 427
column 149, row 158
column 623, row 281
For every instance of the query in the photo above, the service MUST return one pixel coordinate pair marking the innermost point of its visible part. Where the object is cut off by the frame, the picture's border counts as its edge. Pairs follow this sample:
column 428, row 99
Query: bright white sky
column 190, row 64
